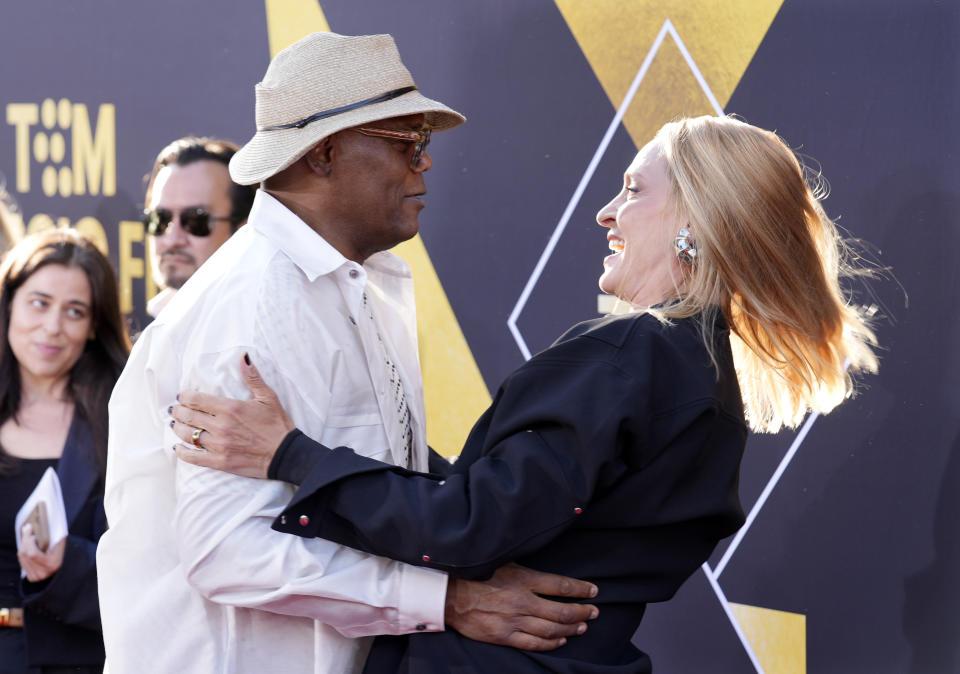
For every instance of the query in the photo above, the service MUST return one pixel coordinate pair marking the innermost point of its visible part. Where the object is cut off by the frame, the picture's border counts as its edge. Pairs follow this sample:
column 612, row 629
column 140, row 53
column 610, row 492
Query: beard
column 176, row 274
column 175, row 282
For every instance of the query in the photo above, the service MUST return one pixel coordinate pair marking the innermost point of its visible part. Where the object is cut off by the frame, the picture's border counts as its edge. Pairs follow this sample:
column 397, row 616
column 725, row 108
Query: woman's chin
column 605, row 285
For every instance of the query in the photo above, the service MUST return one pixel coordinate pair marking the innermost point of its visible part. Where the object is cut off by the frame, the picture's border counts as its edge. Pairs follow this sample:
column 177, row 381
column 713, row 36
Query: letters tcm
column 42, row 132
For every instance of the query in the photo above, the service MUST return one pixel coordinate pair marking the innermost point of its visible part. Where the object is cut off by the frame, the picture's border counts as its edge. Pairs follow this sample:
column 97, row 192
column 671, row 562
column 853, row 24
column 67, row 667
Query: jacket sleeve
column 70, row 594
column 298, row 454
column 438, row 464
column 552, row 430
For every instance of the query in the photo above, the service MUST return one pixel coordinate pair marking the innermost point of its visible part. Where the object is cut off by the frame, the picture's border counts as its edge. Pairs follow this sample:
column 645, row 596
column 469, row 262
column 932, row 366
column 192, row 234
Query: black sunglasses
column 194, row 220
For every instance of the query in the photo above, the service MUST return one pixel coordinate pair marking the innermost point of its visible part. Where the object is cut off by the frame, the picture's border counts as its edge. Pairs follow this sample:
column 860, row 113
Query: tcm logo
column 43, row 133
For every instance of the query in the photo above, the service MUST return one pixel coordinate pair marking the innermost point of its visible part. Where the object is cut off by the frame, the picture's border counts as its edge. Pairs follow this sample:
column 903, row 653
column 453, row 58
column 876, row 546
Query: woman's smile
column 48, row 350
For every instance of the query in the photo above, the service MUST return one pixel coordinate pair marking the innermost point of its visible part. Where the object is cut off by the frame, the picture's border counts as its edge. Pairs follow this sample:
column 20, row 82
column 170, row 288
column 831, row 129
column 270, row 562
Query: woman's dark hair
column 104, row 355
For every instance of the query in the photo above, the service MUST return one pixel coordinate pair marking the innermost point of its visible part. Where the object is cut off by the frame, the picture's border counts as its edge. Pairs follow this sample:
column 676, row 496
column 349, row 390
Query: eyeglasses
column 194, row 220
column 421, row 138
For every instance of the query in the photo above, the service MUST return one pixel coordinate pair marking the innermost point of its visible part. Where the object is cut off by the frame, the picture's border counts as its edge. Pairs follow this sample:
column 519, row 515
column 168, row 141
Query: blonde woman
column 614, row 455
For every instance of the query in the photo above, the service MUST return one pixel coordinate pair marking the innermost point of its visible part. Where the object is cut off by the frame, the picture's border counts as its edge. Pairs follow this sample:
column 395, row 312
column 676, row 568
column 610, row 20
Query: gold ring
column 195, row 438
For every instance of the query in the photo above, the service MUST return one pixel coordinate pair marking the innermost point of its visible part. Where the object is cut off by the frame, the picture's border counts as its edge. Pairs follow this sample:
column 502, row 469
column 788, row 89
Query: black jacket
column 612, row 456
column 62, row 613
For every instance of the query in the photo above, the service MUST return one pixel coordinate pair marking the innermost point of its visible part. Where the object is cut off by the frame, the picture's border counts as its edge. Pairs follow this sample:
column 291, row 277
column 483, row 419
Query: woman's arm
column 70, row 593
column 544, row 443
column 509, row 609
column 508, row 503
column 251, row 437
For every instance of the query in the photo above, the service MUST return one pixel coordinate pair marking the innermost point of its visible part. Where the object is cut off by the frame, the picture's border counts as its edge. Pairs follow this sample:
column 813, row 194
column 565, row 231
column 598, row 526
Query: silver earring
column 686, row 252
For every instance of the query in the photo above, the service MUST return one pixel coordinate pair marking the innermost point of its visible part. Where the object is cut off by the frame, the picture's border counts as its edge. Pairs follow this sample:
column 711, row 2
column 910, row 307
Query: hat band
column 389, row 96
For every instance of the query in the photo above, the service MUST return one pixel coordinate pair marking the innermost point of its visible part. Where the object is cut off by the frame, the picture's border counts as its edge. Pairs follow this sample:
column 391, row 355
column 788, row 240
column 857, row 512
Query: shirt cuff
column 292, row 461
column 423, row 597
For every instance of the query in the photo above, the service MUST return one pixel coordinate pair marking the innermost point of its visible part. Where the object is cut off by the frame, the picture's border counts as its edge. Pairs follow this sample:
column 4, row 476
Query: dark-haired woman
column 63, row 345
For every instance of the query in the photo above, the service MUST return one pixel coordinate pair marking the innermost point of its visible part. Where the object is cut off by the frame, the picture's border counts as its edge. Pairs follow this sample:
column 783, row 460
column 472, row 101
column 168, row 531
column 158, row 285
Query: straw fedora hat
column 322, row 84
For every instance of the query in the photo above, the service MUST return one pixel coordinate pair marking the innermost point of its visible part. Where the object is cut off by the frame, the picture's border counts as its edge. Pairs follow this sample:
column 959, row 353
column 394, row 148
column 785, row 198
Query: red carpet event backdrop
column 848, row 562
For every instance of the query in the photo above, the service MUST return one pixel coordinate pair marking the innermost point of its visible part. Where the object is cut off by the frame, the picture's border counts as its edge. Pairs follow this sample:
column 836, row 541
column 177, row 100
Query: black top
column 612, row 456
column 62, row 613
column 14, row 490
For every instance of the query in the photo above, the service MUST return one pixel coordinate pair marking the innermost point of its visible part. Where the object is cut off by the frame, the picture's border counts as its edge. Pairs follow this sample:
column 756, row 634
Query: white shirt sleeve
column 230, row 554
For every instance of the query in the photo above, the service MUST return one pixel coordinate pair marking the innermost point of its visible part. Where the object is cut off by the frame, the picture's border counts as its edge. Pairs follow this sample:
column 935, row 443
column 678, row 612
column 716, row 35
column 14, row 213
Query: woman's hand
column 237, row 436
column 39, row 565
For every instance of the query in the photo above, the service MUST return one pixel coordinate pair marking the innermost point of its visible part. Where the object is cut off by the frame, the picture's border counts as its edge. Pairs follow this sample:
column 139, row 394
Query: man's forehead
column 195, row 184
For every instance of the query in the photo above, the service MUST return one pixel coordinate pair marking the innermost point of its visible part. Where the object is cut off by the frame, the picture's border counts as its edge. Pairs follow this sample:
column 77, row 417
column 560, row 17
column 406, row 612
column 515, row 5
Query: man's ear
column 320, row 157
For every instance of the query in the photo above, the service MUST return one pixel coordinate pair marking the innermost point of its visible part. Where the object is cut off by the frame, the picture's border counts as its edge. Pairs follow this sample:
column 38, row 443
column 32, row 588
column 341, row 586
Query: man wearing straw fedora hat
column 192, row 577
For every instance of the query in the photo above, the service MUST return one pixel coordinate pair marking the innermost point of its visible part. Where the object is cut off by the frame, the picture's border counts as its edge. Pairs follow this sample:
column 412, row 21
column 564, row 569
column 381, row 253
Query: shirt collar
column 305, row 247
column 159, row 301
column 389, row 264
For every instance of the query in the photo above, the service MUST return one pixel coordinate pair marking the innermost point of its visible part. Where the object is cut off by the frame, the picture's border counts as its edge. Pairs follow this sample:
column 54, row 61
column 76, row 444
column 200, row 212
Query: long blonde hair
column 770, row 258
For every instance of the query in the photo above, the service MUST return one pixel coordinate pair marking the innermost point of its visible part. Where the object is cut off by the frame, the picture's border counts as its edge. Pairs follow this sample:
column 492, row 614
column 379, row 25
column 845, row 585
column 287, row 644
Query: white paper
column 47, row 490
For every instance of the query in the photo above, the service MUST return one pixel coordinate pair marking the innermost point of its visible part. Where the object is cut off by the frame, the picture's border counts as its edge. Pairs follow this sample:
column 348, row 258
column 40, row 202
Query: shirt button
column 304, row 520
column 426, row 558
column 421, row 627
column 354, row 273
column 577, row 511
column 283, row 519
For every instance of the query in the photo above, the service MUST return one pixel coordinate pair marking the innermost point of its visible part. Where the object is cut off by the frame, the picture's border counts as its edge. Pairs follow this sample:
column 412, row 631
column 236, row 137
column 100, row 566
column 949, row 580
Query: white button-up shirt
column 192, row 577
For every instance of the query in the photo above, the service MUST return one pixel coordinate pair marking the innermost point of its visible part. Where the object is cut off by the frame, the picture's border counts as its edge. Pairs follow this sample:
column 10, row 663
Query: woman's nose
column 607, row 216
column 53, row 322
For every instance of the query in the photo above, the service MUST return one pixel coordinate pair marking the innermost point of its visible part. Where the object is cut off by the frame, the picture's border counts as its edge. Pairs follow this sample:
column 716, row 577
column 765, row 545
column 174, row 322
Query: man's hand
column 506, row 610
column 238, row 436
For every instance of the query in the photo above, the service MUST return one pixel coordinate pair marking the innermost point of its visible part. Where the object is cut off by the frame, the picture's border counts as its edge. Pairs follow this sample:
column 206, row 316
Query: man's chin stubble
column 175, row 282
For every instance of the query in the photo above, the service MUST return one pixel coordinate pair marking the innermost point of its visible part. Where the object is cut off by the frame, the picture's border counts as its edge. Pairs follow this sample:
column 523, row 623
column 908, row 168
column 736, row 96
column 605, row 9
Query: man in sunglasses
column 192, row 576
column 192, row 208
